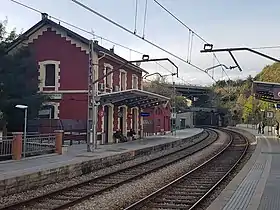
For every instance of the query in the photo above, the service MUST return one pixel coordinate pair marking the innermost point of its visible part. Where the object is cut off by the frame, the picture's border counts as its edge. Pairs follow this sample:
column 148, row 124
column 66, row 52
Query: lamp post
column 25, row 126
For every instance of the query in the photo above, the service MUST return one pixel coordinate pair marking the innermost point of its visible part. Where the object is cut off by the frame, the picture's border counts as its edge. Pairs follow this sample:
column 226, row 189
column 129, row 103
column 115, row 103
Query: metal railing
column 39, row 144
column 70, row 138
column 6, row 143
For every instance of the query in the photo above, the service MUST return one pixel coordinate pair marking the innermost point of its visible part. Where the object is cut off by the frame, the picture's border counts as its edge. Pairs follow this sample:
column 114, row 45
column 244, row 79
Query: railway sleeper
column 170, row 206
column 176, row 200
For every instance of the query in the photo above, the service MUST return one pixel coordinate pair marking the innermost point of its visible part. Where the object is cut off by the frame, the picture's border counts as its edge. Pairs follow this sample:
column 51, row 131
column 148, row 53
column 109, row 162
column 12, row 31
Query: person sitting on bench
column 131, row 134
column 118, row 135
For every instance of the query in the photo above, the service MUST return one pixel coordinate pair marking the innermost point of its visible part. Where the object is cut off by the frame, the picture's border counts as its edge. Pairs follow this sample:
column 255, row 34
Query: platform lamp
column 24, row 107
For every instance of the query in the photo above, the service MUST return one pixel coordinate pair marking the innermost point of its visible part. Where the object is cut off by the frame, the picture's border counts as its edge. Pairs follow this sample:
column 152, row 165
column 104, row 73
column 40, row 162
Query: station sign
column 269, row 114
column 45, row 112
column 144, row 114
column 54, row 96
column 173, row 115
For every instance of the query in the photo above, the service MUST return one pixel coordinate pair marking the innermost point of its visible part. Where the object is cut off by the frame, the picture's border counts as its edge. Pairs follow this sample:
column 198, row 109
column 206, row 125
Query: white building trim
column 133, row 78
column 125, row 79
column 107, row 65
column 42, row 73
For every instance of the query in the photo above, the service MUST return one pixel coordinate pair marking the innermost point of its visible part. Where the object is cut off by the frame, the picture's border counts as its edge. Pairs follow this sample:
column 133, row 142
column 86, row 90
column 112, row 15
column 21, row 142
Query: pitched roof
column 70, row 33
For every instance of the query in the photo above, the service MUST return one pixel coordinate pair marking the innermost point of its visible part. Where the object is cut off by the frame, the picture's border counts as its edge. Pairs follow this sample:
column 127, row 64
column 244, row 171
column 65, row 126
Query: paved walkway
column 257, row 185
column 78, row 153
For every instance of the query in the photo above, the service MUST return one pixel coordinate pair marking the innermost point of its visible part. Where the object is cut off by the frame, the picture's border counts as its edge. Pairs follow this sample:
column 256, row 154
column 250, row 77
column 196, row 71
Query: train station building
column 63, row 62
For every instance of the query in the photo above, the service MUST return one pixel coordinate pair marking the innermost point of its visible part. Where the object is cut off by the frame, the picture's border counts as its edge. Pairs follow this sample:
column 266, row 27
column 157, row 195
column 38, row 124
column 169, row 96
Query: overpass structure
column 191, row 90
column 198, row 94
column 201, row 111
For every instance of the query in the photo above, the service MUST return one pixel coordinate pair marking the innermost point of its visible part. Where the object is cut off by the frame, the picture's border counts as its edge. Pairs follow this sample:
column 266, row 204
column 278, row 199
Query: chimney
column 112, row 49
column 95, row 41
column 44, row 16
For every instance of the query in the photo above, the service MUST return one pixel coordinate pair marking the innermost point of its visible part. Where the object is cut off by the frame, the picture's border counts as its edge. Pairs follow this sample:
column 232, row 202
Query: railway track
column 189, row 190
column 72, row 195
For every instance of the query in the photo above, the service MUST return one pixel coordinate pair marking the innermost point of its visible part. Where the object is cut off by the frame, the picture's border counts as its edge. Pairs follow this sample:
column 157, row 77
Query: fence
column 14, row 147
column 70, row 138
column 39, row 144
column 6, row 144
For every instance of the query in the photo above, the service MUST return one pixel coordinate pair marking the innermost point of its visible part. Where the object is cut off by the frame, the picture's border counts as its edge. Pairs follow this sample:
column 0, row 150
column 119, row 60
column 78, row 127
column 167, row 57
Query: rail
column 207, row 176
column 63, row 198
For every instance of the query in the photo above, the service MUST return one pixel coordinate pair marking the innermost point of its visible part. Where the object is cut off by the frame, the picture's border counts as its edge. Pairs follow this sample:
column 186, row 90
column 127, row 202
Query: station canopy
column 133, row 98
column 267, row 91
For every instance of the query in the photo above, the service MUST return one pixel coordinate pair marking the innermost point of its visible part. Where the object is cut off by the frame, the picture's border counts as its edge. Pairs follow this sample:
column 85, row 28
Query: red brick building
column 63, row 63
column 158, row 120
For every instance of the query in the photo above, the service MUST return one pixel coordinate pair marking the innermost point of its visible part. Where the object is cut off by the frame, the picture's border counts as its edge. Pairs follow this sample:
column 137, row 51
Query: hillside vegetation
column 237, row 97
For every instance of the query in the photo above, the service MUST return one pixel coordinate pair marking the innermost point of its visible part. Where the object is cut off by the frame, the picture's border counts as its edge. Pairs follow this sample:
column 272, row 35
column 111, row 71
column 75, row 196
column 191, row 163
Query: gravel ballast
column 56, row 186
column 135, row 190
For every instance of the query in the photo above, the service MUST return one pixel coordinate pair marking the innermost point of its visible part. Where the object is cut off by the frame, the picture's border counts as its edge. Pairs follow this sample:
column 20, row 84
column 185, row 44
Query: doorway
column 123, row 120
column 135, row 120
column 106, row 124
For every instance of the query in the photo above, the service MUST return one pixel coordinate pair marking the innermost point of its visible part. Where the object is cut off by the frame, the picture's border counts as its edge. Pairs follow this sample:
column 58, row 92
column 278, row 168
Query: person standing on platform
column 259, row 127
column 277, row 128
column 263, row 125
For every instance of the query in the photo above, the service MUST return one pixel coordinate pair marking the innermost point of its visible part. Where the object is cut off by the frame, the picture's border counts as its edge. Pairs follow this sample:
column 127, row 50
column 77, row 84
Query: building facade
column 63, row 63
column 157, row 120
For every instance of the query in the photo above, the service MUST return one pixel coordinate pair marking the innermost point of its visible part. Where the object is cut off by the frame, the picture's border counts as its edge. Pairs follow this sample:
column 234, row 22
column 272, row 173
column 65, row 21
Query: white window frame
column 42, row 74
column 107, row 65
column 125, row 79
column 134, row 86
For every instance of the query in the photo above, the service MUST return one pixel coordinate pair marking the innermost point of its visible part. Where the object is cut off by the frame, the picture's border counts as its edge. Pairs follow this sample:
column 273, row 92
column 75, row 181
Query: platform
column 76, row 161
column 257, row 185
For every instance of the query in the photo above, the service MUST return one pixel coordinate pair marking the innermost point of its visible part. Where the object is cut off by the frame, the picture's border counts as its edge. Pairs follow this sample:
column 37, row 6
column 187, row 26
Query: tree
column 18, row 81
column 162, row 87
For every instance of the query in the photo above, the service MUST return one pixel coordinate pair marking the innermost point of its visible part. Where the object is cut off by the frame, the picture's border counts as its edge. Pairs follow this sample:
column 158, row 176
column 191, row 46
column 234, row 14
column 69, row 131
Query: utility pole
column 173, row 114
column 90, row 99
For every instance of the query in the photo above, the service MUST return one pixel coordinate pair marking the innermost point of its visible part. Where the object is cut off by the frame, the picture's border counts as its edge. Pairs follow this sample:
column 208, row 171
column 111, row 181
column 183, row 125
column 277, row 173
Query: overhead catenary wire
column 149, row 42
column 145, row 18
column 91, row 33
column 129, row 31
column 179, row 20
column 102, row 38
column 190, row 30
column 191, row 45
column 266, row 47
column 135, row 17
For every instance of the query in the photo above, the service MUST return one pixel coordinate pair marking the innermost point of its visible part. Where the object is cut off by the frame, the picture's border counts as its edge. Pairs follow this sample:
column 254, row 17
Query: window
column 108, row 79
column 122, row 80
column 134, row 82
column 50, row 75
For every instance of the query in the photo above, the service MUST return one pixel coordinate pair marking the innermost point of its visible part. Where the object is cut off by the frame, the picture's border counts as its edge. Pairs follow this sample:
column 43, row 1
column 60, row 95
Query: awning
column 133, row 98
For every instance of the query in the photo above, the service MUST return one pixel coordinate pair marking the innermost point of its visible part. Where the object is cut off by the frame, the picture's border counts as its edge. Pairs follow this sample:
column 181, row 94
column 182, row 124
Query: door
column 106, row 124
column 121, row 120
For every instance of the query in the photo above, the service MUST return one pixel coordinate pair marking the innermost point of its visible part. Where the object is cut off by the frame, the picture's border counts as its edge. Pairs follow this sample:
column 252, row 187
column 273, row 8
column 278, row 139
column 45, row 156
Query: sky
column 224, row 23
